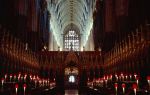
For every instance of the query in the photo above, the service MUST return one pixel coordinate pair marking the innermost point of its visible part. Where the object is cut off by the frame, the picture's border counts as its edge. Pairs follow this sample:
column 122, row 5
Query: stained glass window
column 71, row 41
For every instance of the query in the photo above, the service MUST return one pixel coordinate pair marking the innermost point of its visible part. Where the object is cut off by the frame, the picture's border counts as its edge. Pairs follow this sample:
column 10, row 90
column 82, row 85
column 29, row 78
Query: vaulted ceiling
column 71, row 14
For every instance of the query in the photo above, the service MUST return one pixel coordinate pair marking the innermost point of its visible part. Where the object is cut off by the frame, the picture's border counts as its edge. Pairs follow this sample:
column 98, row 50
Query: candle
column 25, row 76
column 116, row 87
column 135, row 75
column 35, row 81
column 137, row 81
column 14, row 77
column 134, row 88
column 16, row 87
column 10, row 77
column 106, row 82
column 116, row 77
column 123, row 88
column 24, row 88
column 126, row 77
column 5, row 77
column 111, row 77
column 130, row 77
column 2, row 80
column 148, row 80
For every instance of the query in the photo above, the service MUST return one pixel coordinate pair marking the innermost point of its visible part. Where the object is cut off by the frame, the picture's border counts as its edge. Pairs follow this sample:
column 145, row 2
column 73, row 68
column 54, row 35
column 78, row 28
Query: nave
column 74, row 47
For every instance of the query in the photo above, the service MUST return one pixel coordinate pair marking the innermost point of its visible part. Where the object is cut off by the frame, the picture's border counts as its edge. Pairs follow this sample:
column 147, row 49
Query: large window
column 71, row 41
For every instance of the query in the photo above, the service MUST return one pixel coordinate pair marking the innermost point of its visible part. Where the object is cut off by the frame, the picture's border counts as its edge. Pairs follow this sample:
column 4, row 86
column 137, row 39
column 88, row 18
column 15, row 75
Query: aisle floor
column 71, row 92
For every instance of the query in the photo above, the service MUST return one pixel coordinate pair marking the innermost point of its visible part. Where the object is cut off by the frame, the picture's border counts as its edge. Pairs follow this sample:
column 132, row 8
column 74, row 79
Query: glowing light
column 123, row 87
column 72, row 79
column 16, row 87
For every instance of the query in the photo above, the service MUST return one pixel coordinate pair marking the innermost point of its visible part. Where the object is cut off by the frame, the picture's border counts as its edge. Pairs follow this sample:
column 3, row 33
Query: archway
column 71, row 71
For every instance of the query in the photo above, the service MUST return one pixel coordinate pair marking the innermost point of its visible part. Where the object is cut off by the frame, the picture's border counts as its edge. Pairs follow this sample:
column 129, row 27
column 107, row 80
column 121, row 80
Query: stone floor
column 71, row 92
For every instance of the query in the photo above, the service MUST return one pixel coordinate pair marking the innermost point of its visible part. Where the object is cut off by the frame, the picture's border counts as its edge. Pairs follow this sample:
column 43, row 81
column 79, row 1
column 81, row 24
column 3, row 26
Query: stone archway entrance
column 71, row 71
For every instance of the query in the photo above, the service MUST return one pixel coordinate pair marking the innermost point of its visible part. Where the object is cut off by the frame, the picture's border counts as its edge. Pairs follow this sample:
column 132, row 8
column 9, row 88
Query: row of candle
column 23, row 78
column 101, row 82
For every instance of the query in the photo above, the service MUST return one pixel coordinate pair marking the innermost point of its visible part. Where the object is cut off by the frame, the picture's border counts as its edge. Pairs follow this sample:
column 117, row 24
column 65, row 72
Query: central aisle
column 71, row 92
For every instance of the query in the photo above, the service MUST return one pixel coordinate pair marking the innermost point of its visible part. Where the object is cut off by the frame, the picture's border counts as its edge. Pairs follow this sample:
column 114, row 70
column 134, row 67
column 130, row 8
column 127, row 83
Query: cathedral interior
column 74, row 47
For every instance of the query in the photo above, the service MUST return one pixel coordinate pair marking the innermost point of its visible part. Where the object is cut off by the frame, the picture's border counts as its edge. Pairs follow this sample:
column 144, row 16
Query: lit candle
column 35, row 81
column 43, row 82
column 111, row 77
column 48, row 82
column 148, row 80
column 116, row 77
column 19, row 74
column 123, row 87
column 31, row 77
column 16, row 87
column 40, row 82
column 134, row 88
column 24, row 88
column 106, row 82
column 10, row 77
column 18, row 78
column 130, row 77
column 25, row 76
column 119, row 78
column 126, row 77
column 14, row 77
column 2, row 80
column 116, row 87
column 137, row 81
column 135, row 75
column 5, row 77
